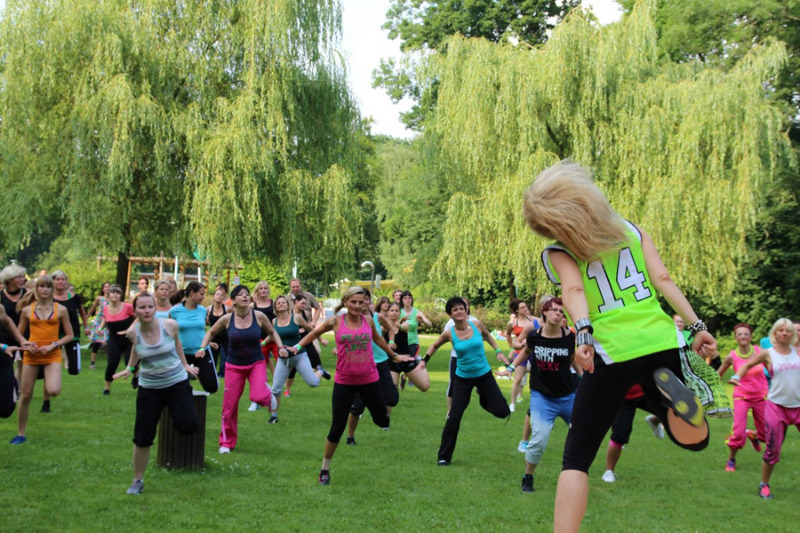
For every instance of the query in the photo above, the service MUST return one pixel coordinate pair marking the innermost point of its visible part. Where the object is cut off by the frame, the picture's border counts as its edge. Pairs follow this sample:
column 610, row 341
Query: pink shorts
column 777, row 419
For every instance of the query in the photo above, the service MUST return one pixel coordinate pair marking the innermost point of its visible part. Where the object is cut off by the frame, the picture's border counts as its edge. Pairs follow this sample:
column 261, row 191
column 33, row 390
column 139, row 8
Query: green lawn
column 72, row 473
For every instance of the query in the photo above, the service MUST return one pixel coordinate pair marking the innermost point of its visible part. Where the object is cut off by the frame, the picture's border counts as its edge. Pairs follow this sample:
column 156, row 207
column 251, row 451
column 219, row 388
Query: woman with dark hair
column 118, row 317
column 44, row 319
column 98, row 336
column 217, row 310
column 356, row 372
column 245, row 328
column 608, row 270
column 163, row 381
column 77, row 315
column 472, row 372
column 414, row 316
column 191, row 319
column 522, row 319
column 412, row 370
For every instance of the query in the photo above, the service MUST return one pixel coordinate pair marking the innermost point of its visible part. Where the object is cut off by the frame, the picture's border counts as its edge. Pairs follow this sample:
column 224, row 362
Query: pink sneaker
column 764, row 491
column 730, row 466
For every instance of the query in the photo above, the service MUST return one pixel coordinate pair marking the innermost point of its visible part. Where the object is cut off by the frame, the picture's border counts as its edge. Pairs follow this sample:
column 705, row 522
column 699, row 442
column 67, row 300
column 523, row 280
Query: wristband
column 426, row 358
column 584, row 338
column 298, row 347
column 698, row 326
column 510, row 367
column 4, row 347
column 264, row 342
column 131, row 369
column 584, row 323
column 498, row 351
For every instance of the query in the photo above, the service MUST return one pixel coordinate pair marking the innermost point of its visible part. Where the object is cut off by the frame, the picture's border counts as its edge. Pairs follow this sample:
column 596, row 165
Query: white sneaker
column 523, row 446
column 254, row 407
column 512, row 407
column 655, row 426
column 224, row 449
column 609, row 477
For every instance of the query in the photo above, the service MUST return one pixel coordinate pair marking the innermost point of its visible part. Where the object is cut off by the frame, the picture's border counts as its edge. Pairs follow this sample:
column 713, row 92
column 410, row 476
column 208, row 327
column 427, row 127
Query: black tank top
column 11, row 310
column 268, row 310
column 244, row 345
column 221, row 337
column 550, row 363
column 72, row 305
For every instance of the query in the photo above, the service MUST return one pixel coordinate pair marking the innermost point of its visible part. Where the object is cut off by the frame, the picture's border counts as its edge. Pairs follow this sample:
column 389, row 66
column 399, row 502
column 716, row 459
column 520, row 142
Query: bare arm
column 487, row 336
column 726, row 364
column 214, row 330
column 421, row 317
column 443, row 338
column 574, row 297
column 321, row 328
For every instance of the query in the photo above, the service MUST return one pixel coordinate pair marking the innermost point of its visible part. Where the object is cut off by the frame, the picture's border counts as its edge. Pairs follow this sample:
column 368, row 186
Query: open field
column 72, row 473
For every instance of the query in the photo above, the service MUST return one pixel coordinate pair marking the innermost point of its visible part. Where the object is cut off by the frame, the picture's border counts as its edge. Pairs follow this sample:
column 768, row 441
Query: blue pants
column 544, row 410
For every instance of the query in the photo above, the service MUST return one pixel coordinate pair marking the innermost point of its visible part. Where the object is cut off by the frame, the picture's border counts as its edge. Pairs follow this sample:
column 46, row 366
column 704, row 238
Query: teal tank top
column 290, row 333
column 377, row 353
column 470, row 354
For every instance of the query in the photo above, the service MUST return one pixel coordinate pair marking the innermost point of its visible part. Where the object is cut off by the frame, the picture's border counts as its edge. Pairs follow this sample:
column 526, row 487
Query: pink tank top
column 354, row 364
column 753, row 385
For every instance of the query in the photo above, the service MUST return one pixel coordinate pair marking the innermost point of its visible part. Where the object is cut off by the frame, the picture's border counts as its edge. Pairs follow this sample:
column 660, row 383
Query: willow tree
column 683, row 150
column 226, row 128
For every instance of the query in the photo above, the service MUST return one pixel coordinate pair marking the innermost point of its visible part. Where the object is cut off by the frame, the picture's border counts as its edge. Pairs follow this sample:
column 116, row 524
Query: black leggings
column 490, row 398
column 73, row 349
column 207, row 375
column 149, row 404
column 118, row 347
column 623, row 423
column 600, row 396
column 390, row 393
column 7, row 384
column 341, row 401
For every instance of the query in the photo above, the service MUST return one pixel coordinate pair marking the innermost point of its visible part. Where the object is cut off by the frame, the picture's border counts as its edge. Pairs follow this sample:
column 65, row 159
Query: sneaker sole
column 681, row 400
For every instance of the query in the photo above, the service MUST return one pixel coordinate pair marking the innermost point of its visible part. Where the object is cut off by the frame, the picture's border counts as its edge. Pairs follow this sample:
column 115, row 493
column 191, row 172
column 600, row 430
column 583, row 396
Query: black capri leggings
column 390, row 393
column 149, row 404
column 623, row 423
column 119, row 348
column 7, row 385
column 341, row 401
column 600, row 396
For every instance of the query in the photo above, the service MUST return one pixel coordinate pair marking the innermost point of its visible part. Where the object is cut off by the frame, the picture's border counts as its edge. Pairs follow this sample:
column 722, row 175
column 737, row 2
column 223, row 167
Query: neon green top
column 413, row 325
column 628, row 320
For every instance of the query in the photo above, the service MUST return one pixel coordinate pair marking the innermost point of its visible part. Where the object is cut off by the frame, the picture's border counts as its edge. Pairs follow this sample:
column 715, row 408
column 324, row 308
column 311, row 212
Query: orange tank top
column 44, row 331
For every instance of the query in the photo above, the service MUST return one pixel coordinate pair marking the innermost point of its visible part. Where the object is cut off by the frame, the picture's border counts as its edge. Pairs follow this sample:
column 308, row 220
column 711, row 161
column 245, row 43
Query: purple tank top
column 354, row 362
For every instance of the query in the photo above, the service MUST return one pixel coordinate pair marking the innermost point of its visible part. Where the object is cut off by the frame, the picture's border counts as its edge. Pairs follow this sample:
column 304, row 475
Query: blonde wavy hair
column 565, row 205
column 782, row 323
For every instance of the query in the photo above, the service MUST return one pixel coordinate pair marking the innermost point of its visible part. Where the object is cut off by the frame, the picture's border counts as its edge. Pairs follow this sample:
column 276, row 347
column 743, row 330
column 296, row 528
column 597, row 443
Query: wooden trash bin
column 183, row 451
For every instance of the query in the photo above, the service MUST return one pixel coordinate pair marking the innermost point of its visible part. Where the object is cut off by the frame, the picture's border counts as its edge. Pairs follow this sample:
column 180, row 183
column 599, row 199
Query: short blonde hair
column 11, row 271
column 782, row 323
column 565, row 205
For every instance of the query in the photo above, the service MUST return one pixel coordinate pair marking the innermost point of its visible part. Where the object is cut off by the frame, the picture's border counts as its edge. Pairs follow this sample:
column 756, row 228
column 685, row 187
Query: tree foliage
column 222, row 127
column 682, row 149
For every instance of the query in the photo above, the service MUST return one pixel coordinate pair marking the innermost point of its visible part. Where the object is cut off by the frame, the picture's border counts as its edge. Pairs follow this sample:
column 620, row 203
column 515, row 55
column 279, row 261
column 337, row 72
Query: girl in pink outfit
column 356, row 372
column 749, row 395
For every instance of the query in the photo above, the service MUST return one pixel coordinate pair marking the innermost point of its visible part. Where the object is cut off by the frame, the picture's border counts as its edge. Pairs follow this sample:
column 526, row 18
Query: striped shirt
column 161, row 366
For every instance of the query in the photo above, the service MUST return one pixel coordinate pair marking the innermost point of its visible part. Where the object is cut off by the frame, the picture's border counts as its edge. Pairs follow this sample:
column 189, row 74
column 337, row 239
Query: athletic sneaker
column 512, row 407
column 609, row 476
column 45, row 407
column 325, row 374
column 136, row 487
column 753, row 437
column 764, row 492
column 254, row 407
column 19, row 439
column 106, row 392
column 679, row 398
column 324, row 477
column 522, row 446
column 273, row 418
column 92, row 366
column 527, row 483
column 443, row 462
column 286, row 393
column 730, row 465
column 351, row 441
column 655, row 426
column 224, row 449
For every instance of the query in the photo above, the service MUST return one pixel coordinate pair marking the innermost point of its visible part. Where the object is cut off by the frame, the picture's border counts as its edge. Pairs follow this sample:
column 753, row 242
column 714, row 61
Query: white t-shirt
column 784, row 390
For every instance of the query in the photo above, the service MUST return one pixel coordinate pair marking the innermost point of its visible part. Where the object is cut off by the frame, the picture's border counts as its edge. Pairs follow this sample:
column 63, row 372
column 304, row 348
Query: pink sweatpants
column 778, row 419
column 737, row 438
column 235, row 376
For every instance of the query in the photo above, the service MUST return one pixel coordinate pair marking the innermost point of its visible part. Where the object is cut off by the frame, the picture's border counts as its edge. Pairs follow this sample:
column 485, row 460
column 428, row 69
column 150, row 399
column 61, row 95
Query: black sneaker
column 324, row 477
column 679, row 398
column 45, row 407
column 351, row 441
column 106, row 392
column 527, row 483
column 443, row 462
column 135, row 382
column 273, row 418
column 325, row 373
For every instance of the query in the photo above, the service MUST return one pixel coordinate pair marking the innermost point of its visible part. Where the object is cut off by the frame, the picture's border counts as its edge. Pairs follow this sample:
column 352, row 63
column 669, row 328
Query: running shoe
column 254, row 407
column 679, row 398
column 136, row 487
column 443, row 462
column 351, row 441
column 224, row 450
column 522, row 446
column 655, row 426
column 609, row 476
column 324, row 477
column 106, row 392
column 527, row 483
column 286, row 393
column 273, row 418
column 325, row 374
column 764, row 492
column 19, row 439
column 92, row 366
column 730, row 465
column 45, row 407
column 753, row 437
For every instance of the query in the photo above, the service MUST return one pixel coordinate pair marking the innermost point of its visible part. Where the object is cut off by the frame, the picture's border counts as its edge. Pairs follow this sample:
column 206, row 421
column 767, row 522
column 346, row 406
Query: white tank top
column 785, row 387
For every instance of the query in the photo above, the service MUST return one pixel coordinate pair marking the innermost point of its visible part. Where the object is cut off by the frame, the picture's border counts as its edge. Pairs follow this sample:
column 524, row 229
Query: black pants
column 622, row 426
column 490, row 398
column 73, row 349
column 118, row 347
column 149, row 404
column 7, row 384
column 341, row 401
column 600, row 396
column 207, row 376
column 390, row 393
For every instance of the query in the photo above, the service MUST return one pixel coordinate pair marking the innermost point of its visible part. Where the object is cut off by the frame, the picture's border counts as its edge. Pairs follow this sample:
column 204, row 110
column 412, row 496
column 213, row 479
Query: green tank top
column 628, row 320
column 290, row 333
column 413, row 324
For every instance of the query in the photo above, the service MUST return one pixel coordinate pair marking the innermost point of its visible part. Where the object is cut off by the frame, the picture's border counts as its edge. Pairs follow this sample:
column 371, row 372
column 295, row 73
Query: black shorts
column 405, row 366
column 151, row 402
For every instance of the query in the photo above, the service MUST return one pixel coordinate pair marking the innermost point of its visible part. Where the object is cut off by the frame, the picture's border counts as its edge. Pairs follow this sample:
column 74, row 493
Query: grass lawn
column 72, row 473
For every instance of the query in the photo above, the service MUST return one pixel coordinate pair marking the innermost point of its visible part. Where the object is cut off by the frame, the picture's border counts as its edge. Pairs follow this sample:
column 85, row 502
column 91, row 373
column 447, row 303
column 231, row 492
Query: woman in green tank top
column 413, row 317
column 609, row 270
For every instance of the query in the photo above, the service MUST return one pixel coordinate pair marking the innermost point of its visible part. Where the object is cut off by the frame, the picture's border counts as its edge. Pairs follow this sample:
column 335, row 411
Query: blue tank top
column 377, row 353
column 470, row 354
column 244, row 345
column 191, row 326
